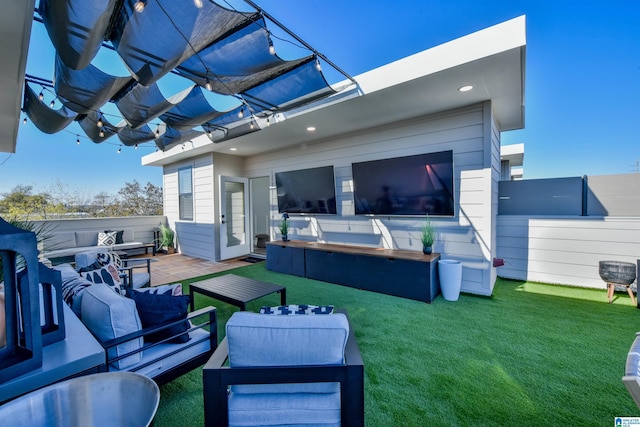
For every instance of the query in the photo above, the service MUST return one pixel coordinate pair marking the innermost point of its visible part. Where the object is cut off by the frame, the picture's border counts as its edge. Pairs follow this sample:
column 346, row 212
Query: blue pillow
column 298, row 309
column 157, row 309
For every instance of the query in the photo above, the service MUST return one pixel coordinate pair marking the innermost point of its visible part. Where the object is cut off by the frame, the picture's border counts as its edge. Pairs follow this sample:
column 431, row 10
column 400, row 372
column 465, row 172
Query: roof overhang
column 15, row 32
column 514, row 153
column 492, row 60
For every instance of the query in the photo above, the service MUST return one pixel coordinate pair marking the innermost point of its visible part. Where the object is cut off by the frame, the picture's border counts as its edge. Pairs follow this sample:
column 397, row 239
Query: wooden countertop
column 358, row 250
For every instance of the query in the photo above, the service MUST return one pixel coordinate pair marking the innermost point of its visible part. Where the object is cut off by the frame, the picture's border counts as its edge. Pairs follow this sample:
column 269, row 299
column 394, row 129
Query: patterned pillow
column 107, row 274
column 107, row 239
column 298, row 309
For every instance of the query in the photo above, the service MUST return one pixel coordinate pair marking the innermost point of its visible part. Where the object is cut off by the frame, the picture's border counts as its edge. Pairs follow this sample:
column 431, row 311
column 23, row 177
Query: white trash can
column 450, row 275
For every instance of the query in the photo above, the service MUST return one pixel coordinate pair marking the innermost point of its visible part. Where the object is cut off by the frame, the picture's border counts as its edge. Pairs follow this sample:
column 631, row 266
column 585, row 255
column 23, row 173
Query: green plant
column 284, row 227
column 428, row 233
column 166, row 236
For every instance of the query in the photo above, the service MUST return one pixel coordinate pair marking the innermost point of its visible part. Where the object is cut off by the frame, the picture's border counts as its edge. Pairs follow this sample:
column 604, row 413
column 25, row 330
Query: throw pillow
column 298, row 309
column 107, row 274
column 109, row 316
column 119, row 234
column 106, row 239
column 157, row 309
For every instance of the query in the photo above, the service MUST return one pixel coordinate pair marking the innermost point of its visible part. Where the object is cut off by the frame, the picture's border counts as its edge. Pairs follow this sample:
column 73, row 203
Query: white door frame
column 236, row 241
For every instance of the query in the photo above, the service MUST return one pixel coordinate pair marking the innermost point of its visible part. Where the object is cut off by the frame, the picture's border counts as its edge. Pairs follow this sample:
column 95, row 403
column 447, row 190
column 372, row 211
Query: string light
column 24, row 121
column 207, row 85
column 157, row 132
column 99, row 122
column 139, row 6
column 119, row 150
column 135, row 147
column 53, row 103
column 318, row 66
column 198, row 3
column 240, row 113
column 78, row 139
column 41, row 96
column 101, row 134
column 272, row 50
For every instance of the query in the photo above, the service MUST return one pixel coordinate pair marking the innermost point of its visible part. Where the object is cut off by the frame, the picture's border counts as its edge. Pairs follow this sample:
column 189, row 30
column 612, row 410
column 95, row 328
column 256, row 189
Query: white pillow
column 107, row 239
column 109, row 315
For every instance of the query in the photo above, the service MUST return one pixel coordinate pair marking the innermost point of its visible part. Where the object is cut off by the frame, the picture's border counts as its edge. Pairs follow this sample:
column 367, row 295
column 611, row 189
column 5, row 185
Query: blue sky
column 582, row 92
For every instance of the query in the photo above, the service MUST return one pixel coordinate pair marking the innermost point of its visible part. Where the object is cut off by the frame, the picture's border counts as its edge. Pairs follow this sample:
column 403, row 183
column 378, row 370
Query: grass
column 532, row 354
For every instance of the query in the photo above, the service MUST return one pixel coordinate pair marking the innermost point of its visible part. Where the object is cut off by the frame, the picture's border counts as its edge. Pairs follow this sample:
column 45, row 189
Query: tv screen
column 308, row 191
column 413, row 185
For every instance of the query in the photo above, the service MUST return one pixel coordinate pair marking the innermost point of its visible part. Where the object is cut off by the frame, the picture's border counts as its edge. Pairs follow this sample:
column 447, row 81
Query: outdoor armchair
column 285, row 370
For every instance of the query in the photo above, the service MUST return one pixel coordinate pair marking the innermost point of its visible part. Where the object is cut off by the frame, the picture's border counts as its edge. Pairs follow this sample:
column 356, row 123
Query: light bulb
column 41, row 96
column 139, row 6
column 78, row 140
column 198, row 3
column 318, row 66
column 119, row 150
column 157, row 132
column 52, row 104
column 241, row 113
column 101, row 134
column 208, row 86
column 99, row 122
column 24, row 121
column 272, row 50
column 135, row 146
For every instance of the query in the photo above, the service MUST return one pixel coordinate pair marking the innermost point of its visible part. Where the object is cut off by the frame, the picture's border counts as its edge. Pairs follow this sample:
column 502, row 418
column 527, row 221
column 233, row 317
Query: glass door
column 234, row 221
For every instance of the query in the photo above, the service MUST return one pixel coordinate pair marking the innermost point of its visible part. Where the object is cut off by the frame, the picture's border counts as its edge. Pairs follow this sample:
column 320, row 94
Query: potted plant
column 428, row 236
column 166, row 239
column 284, row 230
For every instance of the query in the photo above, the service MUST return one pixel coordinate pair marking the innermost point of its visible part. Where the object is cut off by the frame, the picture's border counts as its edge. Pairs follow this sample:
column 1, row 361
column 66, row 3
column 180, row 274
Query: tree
column 137, row 201
column 22, row 203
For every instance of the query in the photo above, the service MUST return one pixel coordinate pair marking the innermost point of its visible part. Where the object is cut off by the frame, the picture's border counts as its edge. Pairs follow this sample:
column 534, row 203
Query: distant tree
column 134, row 200
column 21, row 203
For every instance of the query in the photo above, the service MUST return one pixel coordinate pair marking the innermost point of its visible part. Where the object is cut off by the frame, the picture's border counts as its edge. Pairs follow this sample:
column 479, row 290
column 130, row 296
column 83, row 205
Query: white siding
column 564, row 250
column 195, row 238
column 469, row 236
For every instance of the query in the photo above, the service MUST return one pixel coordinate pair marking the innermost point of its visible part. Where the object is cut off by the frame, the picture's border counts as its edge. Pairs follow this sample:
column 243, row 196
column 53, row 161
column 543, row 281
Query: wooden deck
column 176, row 267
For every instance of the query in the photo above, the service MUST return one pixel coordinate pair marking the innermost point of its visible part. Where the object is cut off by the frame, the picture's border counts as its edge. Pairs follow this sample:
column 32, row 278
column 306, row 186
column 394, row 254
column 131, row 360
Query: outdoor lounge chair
column 631, row 378
column 285, row 370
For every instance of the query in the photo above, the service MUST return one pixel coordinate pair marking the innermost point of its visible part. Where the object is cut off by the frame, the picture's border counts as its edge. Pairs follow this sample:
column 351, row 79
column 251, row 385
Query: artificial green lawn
column 532, row 354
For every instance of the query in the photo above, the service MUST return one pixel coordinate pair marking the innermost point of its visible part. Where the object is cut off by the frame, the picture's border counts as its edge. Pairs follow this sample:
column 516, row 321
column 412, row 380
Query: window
column 185, row 193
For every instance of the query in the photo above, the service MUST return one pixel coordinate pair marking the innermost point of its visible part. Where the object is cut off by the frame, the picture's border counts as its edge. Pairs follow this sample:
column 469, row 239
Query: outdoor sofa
column 151, row 333
column 69, row 243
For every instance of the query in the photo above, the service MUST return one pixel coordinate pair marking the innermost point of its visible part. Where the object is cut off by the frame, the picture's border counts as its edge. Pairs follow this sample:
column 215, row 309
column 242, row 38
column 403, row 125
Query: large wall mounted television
column 307, row 191
column 412, row 185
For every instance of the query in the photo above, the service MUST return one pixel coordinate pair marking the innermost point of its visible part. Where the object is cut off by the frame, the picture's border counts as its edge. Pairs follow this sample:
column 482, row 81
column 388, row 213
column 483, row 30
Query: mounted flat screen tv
column 413, row 185
column 307, row 191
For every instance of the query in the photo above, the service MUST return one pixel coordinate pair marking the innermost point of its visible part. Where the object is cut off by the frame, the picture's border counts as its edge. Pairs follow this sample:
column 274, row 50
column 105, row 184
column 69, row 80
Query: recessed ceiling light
column 465, row 88
column 311, row 129
column 233, row 149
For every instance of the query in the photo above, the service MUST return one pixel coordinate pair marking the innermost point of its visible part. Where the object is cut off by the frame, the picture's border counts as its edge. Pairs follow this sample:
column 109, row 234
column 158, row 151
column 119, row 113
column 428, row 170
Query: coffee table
column 236, row 290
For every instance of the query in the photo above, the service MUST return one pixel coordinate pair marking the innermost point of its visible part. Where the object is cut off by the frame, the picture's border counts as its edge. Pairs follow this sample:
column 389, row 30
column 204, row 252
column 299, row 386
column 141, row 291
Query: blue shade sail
column 154, row 42
column 238, row 62
column 297, row 87
column 88, row 89
column 191, row 112
column 131, row 137
column 172, row 137
column 145, row 103
column 226, row 51
column 76, row 28
column 46, row 119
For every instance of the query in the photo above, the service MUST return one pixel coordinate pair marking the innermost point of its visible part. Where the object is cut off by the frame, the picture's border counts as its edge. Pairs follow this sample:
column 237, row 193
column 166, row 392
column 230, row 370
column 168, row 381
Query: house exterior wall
column 195, row 238
column 473, row 136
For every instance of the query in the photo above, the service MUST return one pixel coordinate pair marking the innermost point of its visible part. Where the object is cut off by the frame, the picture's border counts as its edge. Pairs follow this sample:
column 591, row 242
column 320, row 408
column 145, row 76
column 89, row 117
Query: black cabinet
column 285, row 259
column 400, row 273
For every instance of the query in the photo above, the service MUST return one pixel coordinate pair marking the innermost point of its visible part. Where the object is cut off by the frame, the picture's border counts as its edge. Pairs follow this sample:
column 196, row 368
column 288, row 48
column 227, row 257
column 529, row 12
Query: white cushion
column 266, row 340
column 107, row 239
column 109, row 315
